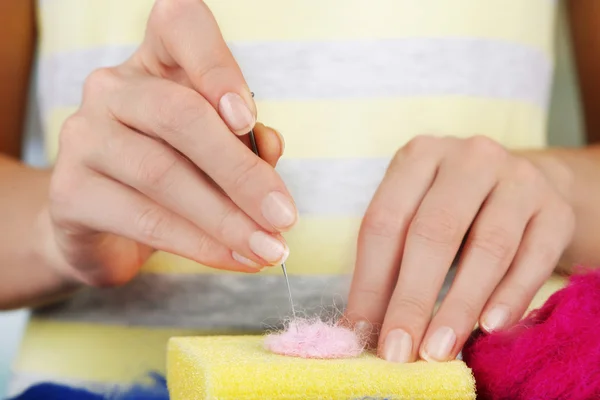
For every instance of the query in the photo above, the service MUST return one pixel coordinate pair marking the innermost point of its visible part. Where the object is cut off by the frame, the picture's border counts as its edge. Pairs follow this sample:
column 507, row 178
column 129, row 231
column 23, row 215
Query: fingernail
column 268, row 248
column 496, row 318
column 279, row 210
column 440, row 344
column 364, row 331
column 398, row 346
column 243, row 260
column 363, row 328
column 236, row 113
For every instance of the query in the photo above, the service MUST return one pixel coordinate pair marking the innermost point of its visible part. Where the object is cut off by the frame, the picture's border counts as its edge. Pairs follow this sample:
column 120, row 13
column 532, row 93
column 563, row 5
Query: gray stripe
column 333, row 187
column 214, row 302
column 220, row 303
column 347, row 69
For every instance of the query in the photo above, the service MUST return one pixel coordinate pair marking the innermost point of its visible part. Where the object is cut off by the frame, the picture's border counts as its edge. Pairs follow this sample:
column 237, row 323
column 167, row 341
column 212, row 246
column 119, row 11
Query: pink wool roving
column 315, row 339
column 554, row 353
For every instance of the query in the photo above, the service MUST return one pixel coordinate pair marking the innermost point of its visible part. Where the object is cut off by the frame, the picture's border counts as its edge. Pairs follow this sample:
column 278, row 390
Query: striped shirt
column 347, row 84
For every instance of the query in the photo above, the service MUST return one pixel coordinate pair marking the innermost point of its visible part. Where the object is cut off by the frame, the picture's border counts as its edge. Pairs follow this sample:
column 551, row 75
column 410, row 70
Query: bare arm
column 584, row 18
column 24, row 279
column 17, row 40
column 578, row 170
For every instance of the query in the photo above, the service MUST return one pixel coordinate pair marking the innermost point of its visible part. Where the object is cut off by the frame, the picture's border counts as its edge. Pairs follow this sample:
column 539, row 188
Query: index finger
column 432, row 242
column 184, row 119
column 381, row 237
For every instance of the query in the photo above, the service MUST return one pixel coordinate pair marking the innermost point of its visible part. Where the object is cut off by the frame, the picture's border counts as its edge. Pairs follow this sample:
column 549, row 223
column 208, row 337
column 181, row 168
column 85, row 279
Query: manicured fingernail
column 243, row 260
column 279, row 210
column 268, row 248
column 398, row 346
column 364, row 331
column 236, row 113
column 363, row 328
column 440, row 344
column 495, row 318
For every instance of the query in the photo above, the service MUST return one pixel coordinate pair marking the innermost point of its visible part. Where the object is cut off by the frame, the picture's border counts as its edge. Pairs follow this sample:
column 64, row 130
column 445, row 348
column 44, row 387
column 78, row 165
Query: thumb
column 183, row 38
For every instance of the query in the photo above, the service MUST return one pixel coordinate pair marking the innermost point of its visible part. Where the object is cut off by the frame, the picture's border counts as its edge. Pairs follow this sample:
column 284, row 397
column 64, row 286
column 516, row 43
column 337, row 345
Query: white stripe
column 332, row 187
column 347, row 69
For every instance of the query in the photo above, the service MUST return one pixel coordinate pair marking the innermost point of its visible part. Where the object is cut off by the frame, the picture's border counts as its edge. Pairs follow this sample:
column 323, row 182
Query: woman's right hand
column 151, row 161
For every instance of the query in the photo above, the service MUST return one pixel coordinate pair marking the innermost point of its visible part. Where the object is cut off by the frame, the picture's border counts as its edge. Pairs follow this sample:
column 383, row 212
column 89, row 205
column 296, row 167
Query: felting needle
column 287, row 280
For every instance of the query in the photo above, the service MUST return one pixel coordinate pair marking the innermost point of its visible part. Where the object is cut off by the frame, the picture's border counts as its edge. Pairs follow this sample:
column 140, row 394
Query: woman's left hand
column 440, row 194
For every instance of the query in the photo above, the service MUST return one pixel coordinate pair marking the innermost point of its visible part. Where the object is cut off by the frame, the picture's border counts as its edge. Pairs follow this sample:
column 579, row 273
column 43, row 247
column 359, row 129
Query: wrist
column 45, row 254
column 555, row 169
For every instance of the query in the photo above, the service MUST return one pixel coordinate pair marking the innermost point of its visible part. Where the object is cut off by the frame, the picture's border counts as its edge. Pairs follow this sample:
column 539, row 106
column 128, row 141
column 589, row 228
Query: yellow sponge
column 238, row 367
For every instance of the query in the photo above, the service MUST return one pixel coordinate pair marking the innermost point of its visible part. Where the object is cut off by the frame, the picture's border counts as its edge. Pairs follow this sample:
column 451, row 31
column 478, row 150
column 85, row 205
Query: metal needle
column 287, row 281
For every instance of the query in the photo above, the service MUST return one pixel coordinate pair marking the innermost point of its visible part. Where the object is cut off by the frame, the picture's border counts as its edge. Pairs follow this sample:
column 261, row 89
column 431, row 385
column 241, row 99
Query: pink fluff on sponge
column 315, row 339
column 554, row 353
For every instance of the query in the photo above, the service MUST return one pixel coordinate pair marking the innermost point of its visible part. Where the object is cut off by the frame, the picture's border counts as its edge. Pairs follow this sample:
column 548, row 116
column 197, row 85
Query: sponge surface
column 239, row 367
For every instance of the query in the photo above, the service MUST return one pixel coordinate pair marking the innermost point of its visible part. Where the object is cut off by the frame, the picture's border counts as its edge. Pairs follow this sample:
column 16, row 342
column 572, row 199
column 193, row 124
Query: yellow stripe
column 319, row 246
column 94, row 352
column 117, row 353
column 378, row 127
column 528, row 22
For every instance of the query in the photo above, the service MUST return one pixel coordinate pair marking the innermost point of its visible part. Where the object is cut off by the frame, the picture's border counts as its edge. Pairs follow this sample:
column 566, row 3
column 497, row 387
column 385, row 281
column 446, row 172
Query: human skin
column 52, row 242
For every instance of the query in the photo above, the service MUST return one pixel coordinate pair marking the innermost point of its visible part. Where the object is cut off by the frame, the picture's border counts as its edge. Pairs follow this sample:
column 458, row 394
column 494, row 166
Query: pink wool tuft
column 554, row 353
column 315, row 339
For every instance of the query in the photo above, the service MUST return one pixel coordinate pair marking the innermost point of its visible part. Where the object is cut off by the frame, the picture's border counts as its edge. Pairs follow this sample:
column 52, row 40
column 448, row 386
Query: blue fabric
column 52, row 391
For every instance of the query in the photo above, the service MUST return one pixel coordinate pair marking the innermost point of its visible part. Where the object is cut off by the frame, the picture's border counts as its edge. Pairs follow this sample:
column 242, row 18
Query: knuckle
column 216, row 69
column 156, row 168
column 495, row 241
column 205, row 250
column 178, row 111
column 372, row 295
column 418, row 145
column 228, row 226
column 524, row 171
column 486, row 148
column 98, row 83
column 413, row 306
column 439, row 226
column 467, row 308
column 548, row 254
column 153, row 224
column 245, row 170
column 380, row 223
column 520, row 291
column 72, row 132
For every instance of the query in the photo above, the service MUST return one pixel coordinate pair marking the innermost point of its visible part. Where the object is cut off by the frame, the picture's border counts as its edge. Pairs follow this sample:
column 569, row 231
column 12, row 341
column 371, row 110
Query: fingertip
column 246, row 262
column 397, row 346
column 281, row 141
column 270, row 143
column 496, row 318
column 237, row 113
column 439, row 346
